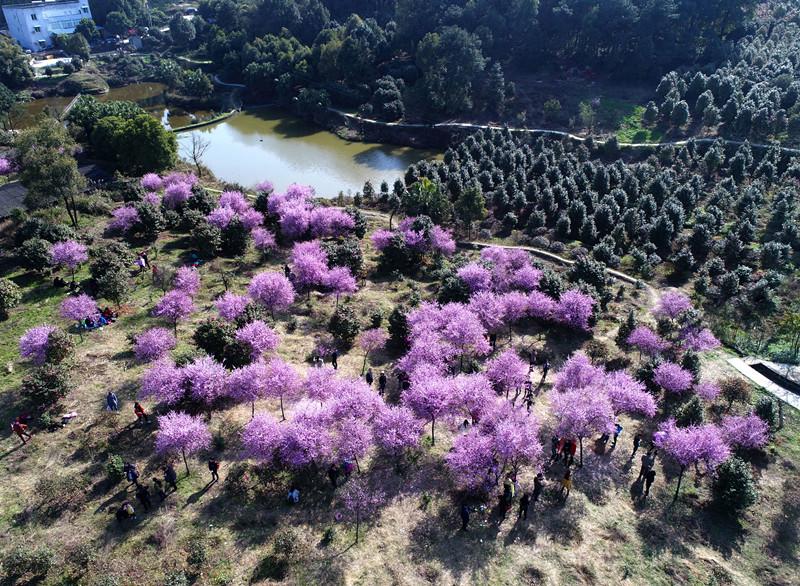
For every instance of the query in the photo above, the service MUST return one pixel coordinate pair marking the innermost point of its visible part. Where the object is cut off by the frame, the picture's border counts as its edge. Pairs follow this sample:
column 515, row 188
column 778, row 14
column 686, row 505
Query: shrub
column 345, row 254
column 151, row 221
column 207, row 239
column 235, row 238
column 398, row 329
column 34, row 254
column 734, row 488
column 344, row 325
column 766, row 410
column 10, row 296
column 735, row 389
column 24, row 560
column 114, row 468
column 59, row 347
column 198, row 551
column 691, row 362
column 690, row 413
column 46, row 385
column 213, row 336
column 176, row 578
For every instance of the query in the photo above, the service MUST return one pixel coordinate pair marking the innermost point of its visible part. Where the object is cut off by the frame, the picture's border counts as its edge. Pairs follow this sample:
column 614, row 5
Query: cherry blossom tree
column 6, row 166
column 180, row 433
column 476, row 276
column 351, row 439
column 153, row 199
column 283, row 381
column 489, row 309
column 339, row 281
column 516, row 307
column 164, row 382
column 221, row 217
column 580, row 413
column 327, row 222
column 206, row 380
column 176, row 194
column 359, row 502
column 747, row 431
column 187, row 280
column 507, row 371
column 471, row 395
column 397, row 430
column 175, row 306
column 125, row 218
column 381, row 239
column 429, row 400
column 708, row 391
column 699, row 339
column 691, row 445
column 671, row 305
column 321, row 383
column 441, row 241
column 230, row 306
column 574, row 309
column 34, row 342
column 578, row 372
column 153, row 344
column 305, row 441
column 264, row 240
column 463, row 329
column 260, row 337
column 79, row 308
column 151, row 182
column 472, row 461
column 628, row 395
column 672, row 378
column 646, row 341
column 261, row 438
column 68, row 254
column 540, row 306
column 372, row 341
column 272, row 290
column 249, row 384
column 309, row 265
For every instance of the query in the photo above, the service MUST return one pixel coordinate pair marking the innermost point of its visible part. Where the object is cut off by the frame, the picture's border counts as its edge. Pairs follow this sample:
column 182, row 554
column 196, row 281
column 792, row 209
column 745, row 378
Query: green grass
column 632, row 129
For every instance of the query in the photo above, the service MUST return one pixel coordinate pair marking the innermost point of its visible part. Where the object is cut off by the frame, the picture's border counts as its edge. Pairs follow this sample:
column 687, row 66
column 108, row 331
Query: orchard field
column 218, row 338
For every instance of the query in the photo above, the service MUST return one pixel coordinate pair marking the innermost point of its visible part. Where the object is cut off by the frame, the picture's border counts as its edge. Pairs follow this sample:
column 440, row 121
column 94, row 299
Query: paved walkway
column 743, row 366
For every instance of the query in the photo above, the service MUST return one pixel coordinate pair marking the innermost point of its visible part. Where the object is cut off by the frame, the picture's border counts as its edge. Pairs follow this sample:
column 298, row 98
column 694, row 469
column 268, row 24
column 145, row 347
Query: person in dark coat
column 171, row 477
column 464, row 512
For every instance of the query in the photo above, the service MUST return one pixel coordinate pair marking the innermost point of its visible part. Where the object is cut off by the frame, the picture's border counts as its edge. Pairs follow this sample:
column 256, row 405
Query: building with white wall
column 32, row 23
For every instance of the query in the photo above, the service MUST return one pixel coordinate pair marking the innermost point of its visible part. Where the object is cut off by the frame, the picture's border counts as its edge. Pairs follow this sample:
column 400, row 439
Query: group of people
column 112, row 404
column 126, row 510
column 105, row 317
column 142, row 262
column 382, row 380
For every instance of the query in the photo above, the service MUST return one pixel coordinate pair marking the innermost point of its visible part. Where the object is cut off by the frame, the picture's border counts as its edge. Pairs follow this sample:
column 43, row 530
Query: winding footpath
column 549, row 132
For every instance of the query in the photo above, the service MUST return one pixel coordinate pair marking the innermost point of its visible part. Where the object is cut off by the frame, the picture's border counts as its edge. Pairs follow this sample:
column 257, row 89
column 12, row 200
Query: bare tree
column 196, row 150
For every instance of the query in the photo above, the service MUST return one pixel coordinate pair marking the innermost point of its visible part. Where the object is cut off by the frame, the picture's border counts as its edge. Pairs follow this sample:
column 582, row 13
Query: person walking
column 21, row 430
column 648, row 460
column 369, row 377
column 131, row 474
column 556, row 445
column 335, row 359
column 125, row 512
column 545, row 370
column 171, row 477
column 637, row 440
column 524, row 503
column 382, row 380
column 287, row 272
column 538, row 487
column 333, row 475
column 213, row 466
column 464, row 512
column 617, row 431
column 531, row 360
column 158, row 486
column 566, row 484
column 507, row 497
column 141, row 415
column 144, row 497
column 649, row 478
column 112, row 402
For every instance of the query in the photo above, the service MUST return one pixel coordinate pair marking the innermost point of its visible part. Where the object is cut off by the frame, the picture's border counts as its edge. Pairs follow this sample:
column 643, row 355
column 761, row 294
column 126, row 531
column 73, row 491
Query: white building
column 32, row 23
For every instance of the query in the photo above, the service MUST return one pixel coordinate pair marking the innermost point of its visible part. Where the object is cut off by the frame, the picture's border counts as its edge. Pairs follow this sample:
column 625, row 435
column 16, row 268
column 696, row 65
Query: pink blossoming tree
column 580, row 413
column 163, row 382
column 646, row 341
column 574, row 309
column 359, row 502
column 672, row 378
column 34, row 342
column 261, row 438
column 260, row 337
column 371, row 341
column 180, row 433
column 272, row 290
column 507, row 371
column 79, row 308
column 230, row 306
column 153, row 344
column 174, row 307
column 68, row 254
column 747, row 431
column 187, row 280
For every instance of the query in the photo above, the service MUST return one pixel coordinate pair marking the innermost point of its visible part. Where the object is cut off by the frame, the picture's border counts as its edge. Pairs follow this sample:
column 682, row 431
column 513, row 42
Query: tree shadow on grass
column 786, row 524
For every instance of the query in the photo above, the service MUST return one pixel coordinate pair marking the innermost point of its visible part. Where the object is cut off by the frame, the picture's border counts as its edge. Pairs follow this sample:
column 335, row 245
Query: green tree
column 425, row 198
column 74, row 44
column 733, row 487
column 450, row 62
column 138, row 145
column 181, row 29
column 88, row 29
column 196, row 83
column 49, row 171
column 10, row 296
column 470, row 207
column 551, row 108
column 118, row 23
column 7, row 101
column 15, row 70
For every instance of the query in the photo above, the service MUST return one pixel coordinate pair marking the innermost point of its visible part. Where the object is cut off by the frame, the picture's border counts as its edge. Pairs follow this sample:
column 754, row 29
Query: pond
column 264, row 143
column 149, row 95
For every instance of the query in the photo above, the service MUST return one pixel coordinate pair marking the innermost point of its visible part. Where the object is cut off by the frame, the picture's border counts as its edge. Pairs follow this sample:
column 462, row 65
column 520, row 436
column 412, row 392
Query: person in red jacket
column 140, row 413
column 21, row 430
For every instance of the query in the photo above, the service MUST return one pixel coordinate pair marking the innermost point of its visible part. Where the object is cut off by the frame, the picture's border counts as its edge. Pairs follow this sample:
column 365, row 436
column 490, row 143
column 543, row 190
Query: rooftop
column 39, row 3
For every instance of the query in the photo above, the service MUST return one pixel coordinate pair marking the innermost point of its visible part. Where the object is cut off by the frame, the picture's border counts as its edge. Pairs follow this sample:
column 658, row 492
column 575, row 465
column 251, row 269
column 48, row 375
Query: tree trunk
column 433, row 431
column 252, row 410
column 678, row 488
column 283, row 416
column 364, row 366
column 185, row 463
column 580, row 443
column 358, row 524
column 358, row 467
column 390, row 219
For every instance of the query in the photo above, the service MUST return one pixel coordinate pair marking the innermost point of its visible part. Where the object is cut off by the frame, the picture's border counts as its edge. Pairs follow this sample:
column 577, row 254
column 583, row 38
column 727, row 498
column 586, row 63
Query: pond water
column 264, row 143
column 148, row 95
